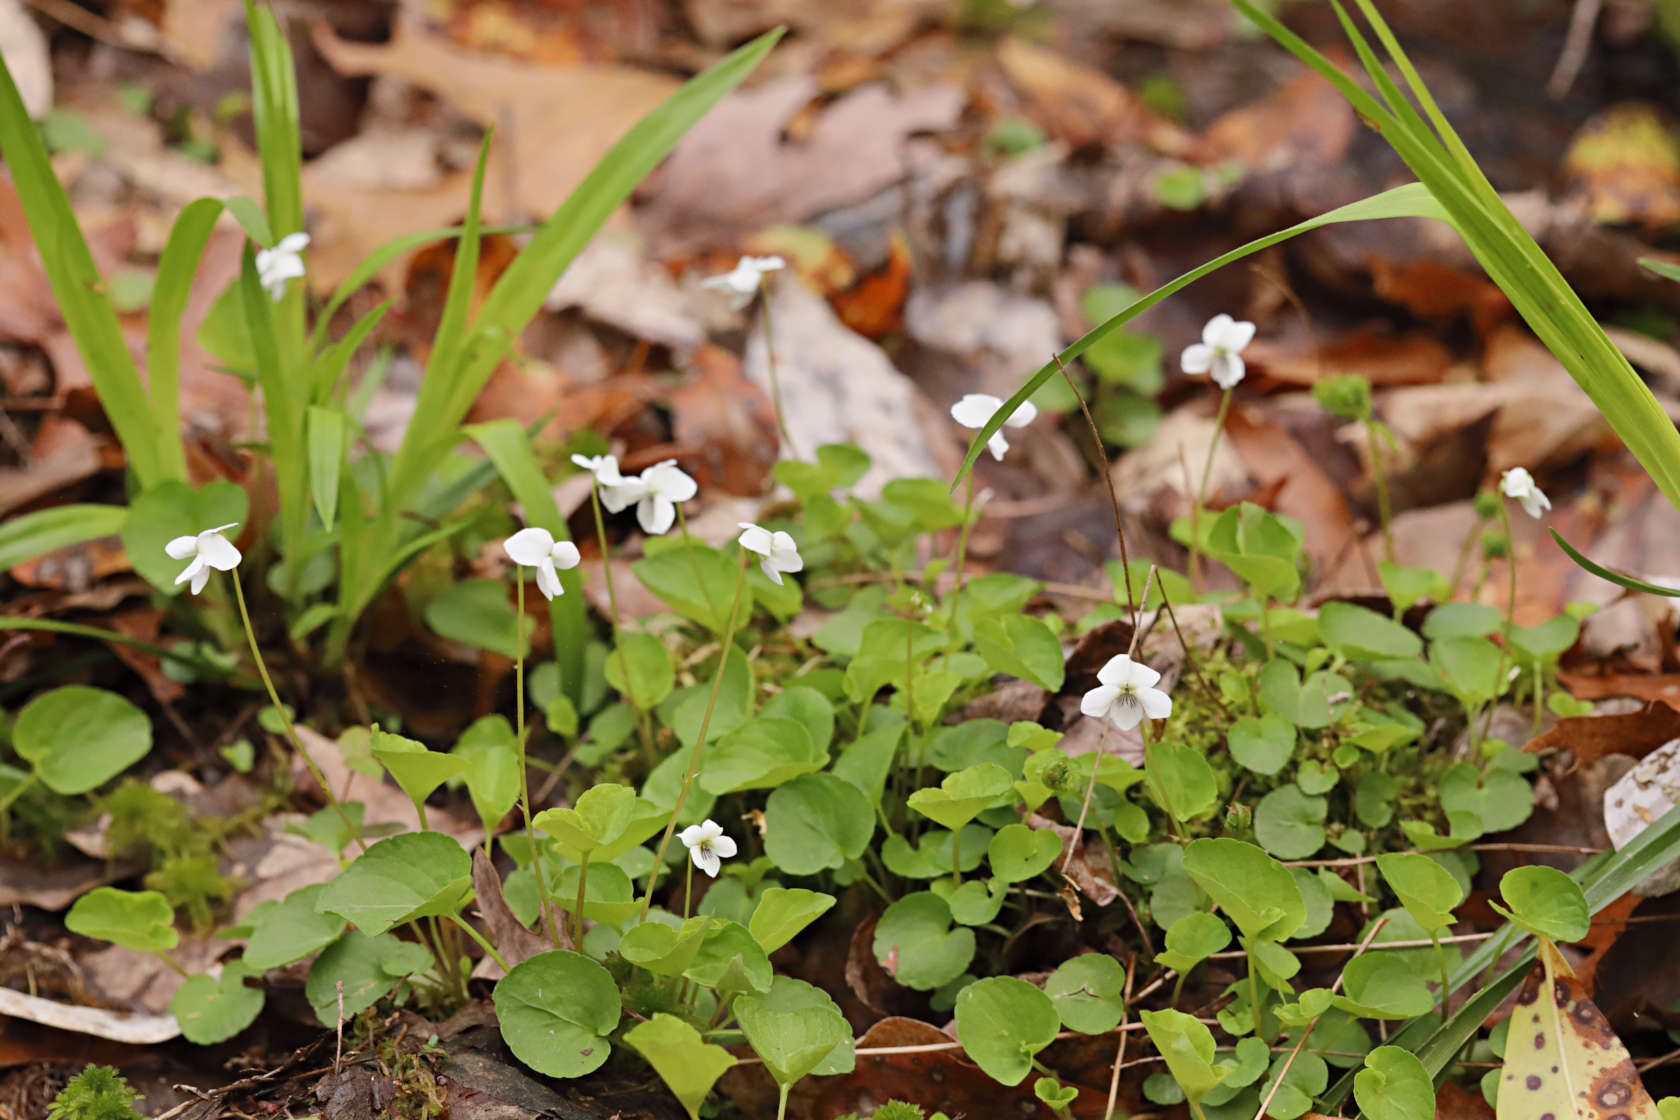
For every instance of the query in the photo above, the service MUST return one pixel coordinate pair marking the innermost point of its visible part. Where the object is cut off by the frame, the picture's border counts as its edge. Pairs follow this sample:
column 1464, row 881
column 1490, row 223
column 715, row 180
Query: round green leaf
column 173, row 509
column 782, row 912
column 816, row 822
column 1394, row 1086
column 1425, row 888
column 962, row 796
column 1262, row 744
column 1180, row 780
column 807, row 707
column 78, row 738
column 1545, row 901
column 1018, row 853
column 1192, row 939
column 915, row 943
column 1290, row 824
column 731, row 960
column 1361, row 634
column 795, row 1028
column 1086, row 991
column 289, row 930
column 1383, row 985
column 213, row 1009
column 1002, row 1022
column 1256, row 891
column 139, row 920
column 556, row 1011
column 477, row 612
column 415, row 875
column 641, row 669
column 761, row 754
column 358, row 962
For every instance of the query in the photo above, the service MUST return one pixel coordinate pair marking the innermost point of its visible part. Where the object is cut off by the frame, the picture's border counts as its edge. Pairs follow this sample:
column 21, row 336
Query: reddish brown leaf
column 1639, row 686
column 1635, row 734
column 874, row 307
column 1455, row 1103
column 1272, row 455
column 725, row 423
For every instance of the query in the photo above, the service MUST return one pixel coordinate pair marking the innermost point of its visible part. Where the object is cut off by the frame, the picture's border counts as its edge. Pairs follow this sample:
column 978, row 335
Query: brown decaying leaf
column 1275, row 456
column 1562, row 1058
column 1455, row 1103
column 874, row 306
column 1592, row 686
column 511, row 937
column 937, row 1080
column 1081, row 104
column 725, row 422
column 1304, row 122
column 734, row 172
column 1635, row 734
column 1409, row 359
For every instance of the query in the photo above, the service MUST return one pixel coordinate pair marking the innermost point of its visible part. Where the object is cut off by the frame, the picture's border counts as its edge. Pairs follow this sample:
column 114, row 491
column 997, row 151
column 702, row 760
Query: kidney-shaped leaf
column 78, row 738
column 964, row 795
column 139, row 920
column 1383, row 985
column 783, row 911
column 1002, row 1022
column 915, row 943
column 1545, row 901
column 761, row 754
column 1425, row 888
column 1395, row 1086
column 556, row 1011
column 213, row 1009
column 688, row 1064
column 415, row 875
column 1256, row 891
column 816, row 822
column 1087, row 992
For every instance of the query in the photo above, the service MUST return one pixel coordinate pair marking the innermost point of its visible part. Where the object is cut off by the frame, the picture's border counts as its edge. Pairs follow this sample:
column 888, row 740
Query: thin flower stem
column 1463, row 561
column 482, row 943
column 280, row 711
column 643, row 731
column 1090, row 788
column 519, row 742
column 1379, row 476
column 577, row 911
column 1201, row 496
column 725, row 647
column 688, row 885
column 1113, row 495
column 775, row 381
column 1510, row 622
column 962, row 555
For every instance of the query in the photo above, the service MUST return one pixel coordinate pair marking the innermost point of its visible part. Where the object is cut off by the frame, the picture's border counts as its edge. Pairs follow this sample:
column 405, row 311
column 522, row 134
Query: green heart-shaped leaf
column 556, row 1011
column 139, row 920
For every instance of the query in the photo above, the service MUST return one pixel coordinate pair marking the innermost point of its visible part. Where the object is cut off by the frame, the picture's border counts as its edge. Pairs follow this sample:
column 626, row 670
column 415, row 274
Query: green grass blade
column 274, row 109
column 1409, row 201
column 331, row 363
column 519, row 293
column 76, row 629
column 1604, row 573
column 283, row 409
column 326, row 437
column 507, row 445
column 170, row 291
column 25, row 536
column 1661, row 268
column 79, row 289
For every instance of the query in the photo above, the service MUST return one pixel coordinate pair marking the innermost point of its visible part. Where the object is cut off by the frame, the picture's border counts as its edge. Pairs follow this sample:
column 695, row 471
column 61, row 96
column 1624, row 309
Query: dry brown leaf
column 1635, row 734
column 54, row 888
column 1639, row 686
column 1410, row 359
column 1304, row 121
column 1433, row 290
column 874, row 306
column 1081, row 104
column 552, row 125
column 725, row 423
column 734, row 172
column 512, row 938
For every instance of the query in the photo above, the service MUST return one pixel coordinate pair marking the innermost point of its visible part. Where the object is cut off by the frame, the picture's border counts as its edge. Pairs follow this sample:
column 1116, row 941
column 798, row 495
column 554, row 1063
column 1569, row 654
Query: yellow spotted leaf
column 1562, row 1060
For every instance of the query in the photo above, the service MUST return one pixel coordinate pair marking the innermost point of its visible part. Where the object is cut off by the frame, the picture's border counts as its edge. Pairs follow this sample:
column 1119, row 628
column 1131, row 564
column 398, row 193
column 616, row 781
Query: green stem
column 781, row 1105
column 280, row 711
column 962, row 555
column 1446, row 981
column 726, row 646
column 1510, row 617
column 643, row 731
column 488, row 948
column 519, row 742
column 1254, row 991
column 1385, row 512
column 17, row 791
column 775, row 381
column 171, row 962
column 688, row 885
column 577, row 911
column 1266, row 622
column 1201, row 493
column 1463, row 560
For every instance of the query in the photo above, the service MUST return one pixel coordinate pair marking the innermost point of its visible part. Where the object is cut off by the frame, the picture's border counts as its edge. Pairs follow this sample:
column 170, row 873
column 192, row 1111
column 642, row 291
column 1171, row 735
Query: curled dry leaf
column 513, row 939
column 1588, row 738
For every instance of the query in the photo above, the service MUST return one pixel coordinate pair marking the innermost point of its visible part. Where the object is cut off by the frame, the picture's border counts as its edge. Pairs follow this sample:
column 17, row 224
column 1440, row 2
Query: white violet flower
column 603, row 467
column 1517, row 483
column 742, row 281
column 536, row 548
column 207, row 550
column 976, row 410
column 707, row 846
column 1127, row 694
column 655, row 492
column 1219, row 353
column 776, row 550
column 282, row 263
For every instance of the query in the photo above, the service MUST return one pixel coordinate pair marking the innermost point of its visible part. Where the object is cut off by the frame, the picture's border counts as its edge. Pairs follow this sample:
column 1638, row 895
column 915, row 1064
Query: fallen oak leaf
column 516, row 941
column 1589, row 738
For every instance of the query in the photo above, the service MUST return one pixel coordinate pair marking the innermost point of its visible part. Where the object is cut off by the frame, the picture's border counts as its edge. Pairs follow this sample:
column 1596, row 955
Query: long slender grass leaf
column 28, row 535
